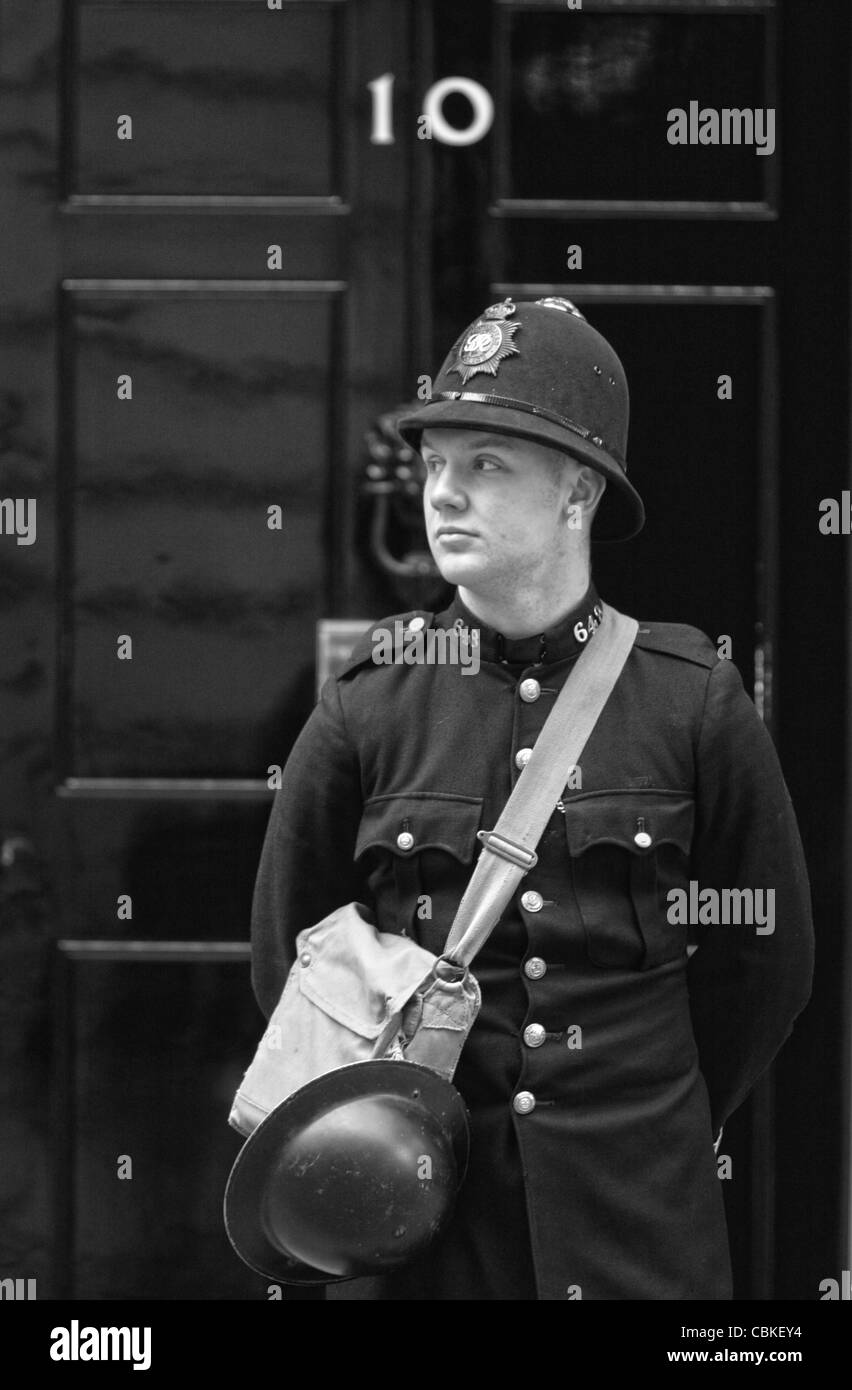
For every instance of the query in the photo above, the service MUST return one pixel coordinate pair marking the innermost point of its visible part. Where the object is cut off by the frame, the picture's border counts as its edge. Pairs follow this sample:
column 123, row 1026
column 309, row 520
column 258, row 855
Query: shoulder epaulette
column 367, row 643
column 678, row 640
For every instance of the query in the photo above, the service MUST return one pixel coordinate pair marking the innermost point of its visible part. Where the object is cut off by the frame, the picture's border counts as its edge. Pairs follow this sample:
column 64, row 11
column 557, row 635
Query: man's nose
column 446, row 489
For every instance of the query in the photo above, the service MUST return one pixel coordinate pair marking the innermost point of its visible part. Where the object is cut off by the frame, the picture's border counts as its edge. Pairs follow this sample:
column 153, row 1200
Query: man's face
column 495, row 507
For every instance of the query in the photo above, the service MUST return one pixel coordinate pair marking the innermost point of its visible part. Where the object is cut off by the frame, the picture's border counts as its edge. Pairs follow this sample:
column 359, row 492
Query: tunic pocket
column 628, row 850
column 418, row 848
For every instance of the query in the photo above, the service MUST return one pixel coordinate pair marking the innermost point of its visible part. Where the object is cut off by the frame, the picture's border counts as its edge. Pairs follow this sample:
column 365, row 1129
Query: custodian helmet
column 539, row 370
column 353, row 1174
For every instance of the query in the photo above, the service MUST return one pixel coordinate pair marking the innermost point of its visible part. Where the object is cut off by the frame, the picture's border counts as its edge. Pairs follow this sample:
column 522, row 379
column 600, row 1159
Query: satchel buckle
column 508, row 849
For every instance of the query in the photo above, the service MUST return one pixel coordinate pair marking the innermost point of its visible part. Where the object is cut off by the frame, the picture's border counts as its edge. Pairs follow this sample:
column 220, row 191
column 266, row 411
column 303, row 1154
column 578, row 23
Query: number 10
column 433, row 109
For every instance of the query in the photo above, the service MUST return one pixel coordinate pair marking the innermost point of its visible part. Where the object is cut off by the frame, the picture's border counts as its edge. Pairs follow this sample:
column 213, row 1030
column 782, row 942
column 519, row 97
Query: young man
column 605, row 1058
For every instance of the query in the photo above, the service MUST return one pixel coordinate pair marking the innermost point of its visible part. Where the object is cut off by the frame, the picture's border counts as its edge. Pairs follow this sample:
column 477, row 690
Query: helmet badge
column 487, row 343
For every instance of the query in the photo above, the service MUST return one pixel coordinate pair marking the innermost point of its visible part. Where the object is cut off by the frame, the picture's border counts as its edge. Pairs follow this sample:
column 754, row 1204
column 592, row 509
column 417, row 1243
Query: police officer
column 606, row 1056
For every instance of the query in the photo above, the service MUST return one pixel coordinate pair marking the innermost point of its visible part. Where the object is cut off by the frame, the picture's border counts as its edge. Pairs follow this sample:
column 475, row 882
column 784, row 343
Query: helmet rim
column 255, row 1166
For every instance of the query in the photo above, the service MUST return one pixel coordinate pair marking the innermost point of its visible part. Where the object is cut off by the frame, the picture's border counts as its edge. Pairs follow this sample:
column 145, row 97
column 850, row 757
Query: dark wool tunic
column 607, row 1187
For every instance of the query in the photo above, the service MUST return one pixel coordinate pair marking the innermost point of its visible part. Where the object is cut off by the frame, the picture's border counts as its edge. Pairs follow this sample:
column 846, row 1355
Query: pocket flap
column 432, row 820
column 617, row 817
column 356, row 974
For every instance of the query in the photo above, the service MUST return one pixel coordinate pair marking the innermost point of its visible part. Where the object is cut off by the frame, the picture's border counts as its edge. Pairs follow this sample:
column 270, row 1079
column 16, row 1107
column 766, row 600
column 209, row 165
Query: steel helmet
column 538, row 370
column 353, row 1174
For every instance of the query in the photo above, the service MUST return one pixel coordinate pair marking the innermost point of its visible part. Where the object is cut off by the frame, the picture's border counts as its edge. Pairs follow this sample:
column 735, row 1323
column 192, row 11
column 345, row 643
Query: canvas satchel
column 355, row 993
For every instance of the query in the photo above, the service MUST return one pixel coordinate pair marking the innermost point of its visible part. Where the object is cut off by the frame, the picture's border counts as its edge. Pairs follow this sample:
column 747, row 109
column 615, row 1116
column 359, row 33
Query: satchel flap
column 356, row 974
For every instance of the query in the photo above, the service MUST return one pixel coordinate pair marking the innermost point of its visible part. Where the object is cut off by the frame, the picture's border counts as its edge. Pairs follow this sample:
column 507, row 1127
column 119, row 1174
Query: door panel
column 153, row 1042
column 702, row 465
column 251, row 100
column 588, row 93
column 166, row 518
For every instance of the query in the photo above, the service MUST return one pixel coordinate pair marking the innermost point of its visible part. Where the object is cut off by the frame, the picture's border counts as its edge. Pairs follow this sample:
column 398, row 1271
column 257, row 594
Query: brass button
column 532, row 901
column 523, row 1102
column 534, row 968
column 642, row 839
column 534, row 1034
column 522, row 757
column 405, row 840
column 529, row 690
column 305, row 958
column 417, row 625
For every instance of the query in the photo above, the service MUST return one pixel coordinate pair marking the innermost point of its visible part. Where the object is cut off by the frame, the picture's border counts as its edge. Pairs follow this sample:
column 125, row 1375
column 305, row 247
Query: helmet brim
column 257, row 1158
column 620, row 514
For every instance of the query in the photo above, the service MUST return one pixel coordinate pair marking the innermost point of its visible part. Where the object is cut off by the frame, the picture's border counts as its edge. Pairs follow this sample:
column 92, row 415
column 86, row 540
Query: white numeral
column 440, row 129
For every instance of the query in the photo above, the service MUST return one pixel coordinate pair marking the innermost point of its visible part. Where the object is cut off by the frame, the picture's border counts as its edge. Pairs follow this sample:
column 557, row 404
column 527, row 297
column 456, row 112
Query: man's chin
column 460, row 569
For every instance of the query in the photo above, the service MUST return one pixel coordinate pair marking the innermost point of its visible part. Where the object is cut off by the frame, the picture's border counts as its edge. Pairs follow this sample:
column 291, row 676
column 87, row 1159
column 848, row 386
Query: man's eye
column 483, row 461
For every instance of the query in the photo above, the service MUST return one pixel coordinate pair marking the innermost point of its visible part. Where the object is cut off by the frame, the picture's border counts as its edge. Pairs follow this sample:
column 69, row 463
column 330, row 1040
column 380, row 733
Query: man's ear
column 586, row 492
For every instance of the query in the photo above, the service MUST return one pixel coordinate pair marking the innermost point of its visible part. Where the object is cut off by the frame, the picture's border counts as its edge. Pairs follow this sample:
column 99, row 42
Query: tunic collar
column 564, row 640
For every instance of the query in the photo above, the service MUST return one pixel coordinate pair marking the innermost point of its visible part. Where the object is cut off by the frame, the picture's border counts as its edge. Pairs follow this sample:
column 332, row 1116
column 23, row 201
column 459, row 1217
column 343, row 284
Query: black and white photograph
column 425, row 747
